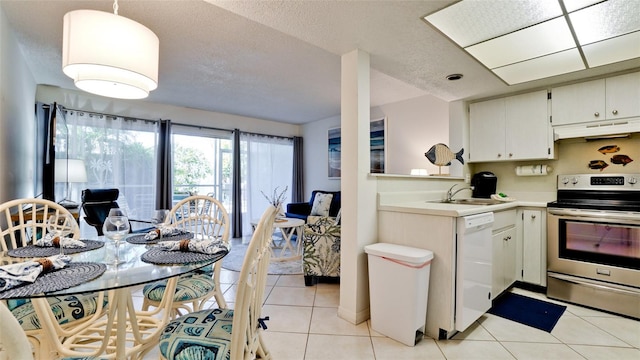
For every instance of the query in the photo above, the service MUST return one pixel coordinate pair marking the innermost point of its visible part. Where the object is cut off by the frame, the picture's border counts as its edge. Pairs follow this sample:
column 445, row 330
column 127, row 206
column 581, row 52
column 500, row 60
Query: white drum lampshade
column 109, row 55
column 70, row 171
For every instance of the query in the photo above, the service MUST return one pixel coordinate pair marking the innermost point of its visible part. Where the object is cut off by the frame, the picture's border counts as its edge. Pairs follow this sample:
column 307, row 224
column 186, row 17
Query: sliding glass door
column 202, row 163
column 116, row 152
column 266, row 166
column 121, row 153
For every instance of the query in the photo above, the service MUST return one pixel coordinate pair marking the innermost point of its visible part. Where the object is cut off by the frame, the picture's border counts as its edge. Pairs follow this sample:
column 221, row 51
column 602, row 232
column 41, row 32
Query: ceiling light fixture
column 109, row 55
column 527, row 40
column 454, row 77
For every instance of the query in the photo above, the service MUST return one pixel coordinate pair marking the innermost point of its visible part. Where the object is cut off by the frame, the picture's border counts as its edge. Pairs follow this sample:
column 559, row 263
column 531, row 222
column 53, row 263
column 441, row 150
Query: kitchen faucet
column 451, row 193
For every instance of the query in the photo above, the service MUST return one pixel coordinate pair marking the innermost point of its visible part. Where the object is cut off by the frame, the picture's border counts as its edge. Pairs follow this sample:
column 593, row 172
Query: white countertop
column 429, row 207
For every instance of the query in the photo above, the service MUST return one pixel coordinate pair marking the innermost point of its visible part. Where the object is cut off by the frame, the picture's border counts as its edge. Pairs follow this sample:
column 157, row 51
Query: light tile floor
column 304, row 325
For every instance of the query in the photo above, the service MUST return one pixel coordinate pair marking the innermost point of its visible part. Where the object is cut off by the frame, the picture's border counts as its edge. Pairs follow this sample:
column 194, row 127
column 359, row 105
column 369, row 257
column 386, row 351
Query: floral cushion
column 204, row 334
column 321, row 247
column 189, row 287
column 65, row 308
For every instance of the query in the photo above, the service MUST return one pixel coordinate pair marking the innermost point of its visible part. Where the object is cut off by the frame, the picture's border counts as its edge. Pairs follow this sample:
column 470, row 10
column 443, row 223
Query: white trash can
column 398, row 290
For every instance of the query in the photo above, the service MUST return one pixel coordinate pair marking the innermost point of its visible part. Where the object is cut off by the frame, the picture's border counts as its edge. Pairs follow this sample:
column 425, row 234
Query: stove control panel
column 599, row 182
column 607, row 180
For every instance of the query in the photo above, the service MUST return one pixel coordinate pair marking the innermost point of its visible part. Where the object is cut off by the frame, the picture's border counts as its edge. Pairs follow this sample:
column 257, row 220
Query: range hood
column 599, row 129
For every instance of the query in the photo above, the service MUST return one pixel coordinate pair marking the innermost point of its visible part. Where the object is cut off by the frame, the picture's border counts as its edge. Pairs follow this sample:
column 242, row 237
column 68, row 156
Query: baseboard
column 354, row 318
column 530, row 287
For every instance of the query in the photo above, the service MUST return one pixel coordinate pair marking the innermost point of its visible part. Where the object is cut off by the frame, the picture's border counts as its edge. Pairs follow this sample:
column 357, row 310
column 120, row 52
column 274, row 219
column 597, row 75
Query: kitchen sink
column 471, row 201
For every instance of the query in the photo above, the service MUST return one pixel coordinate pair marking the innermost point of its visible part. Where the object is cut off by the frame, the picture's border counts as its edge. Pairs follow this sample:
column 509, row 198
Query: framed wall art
column 377, row 139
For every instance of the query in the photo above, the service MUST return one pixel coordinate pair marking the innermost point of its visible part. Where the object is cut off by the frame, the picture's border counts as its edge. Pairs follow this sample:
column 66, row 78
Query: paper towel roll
column 533, row 170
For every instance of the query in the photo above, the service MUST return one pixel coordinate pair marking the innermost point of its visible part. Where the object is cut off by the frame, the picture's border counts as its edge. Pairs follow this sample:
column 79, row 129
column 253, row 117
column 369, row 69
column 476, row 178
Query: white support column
column 358, row 189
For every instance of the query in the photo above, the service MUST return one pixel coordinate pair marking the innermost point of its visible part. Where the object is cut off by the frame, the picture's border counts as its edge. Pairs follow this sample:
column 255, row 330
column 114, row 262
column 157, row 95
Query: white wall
column 316, row 174
column 78, row 100
column 413, row 126
column 573, row 158
column 17, row 118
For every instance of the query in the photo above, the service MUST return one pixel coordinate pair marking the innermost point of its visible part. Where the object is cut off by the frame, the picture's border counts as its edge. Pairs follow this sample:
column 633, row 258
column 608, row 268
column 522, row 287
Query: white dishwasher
column 473, row 271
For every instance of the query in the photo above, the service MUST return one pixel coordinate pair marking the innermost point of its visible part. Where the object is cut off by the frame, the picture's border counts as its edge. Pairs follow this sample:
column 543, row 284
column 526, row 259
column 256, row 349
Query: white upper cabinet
column 578, row 103
column 598, row 100
column 623, row 96
column 511, row 128
column 528, row 134
column 487, row 131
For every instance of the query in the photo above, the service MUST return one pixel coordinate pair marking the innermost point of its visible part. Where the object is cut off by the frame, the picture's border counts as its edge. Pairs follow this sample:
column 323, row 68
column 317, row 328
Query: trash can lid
column 399, row 252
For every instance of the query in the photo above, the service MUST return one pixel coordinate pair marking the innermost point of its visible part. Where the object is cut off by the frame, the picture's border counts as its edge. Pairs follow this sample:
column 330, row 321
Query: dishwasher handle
column 477, row 221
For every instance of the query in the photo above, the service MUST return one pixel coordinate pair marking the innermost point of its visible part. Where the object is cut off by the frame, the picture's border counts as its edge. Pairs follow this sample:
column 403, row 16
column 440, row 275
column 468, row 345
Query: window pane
column 267, row 166
column 202, row 164
column 118, row 153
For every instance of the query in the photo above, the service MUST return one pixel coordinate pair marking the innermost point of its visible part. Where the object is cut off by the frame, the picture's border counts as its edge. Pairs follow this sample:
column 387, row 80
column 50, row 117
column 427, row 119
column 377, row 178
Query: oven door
column 596, row 245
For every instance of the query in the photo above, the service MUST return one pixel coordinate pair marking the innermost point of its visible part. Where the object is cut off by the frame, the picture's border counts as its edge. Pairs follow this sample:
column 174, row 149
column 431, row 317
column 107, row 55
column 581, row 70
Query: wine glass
column 116, row 212
column 160, row 219
column 115, row 228
column 61, row 225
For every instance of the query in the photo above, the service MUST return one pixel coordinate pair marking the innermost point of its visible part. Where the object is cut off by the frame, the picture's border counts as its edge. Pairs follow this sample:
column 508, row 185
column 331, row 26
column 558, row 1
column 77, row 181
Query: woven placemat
column 44, row 251
column 140, row 240
column 71, row 275
column 163, row 257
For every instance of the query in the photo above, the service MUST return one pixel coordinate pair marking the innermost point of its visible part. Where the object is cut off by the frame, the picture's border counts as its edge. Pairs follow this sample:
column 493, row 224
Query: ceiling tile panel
column 524, row 44
column 613, row 50
column 546, row 66
column 470, row 22
column 606, row 20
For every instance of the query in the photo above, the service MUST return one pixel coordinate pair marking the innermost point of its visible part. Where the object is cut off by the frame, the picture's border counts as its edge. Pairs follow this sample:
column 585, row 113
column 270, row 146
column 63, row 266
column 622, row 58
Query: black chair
column 96, row 204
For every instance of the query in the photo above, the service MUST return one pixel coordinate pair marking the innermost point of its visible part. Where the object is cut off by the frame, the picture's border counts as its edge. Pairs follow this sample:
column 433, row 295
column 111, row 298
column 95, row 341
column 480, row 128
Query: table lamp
column 70, row 171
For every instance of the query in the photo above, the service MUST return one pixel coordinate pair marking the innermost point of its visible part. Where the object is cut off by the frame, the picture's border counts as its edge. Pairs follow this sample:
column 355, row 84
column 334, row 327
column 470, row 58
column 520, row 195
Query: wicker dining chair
column 223, row 333
column 206, row 217
column 22, row 223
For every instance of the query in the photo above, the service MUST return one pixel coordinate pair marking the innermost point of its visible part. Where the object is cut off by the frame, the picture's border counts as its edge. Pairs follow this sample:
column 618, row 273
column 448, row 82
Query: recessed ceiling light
column 454, row 77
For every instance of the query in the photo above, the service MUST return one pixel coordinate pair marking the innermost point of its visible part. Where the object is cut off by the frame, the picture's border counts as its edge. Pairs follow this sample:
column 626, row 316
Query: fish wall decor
column 609, row 149
column 441, row 155
column 621, row 160
column 597, row 165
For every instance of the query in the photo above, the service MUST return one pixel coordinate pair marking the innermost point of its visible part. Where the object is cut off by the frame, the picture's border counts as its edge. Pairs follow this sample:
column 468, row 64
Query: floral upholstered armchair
column 321, row 249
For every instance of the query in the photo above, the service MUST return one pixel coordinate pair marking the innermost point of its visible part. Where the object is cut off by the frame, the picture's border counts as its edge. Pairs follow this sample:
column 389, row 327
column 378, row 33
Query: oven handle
column 594, row 214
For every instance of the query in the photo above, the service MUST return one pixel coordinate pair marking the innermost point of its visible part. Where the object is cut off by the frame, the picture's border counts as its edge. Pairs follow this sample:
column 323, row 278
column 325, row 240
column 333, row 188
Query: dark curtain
column 46, row 150
column 236, row 192
column 164, row 193
column 297, row 189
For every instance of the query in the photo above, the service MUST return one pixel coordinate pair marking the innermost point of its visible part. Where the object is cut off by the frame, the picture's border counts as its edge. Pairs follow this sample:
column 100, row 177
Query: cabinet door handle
column 510, row 154
column 596, row 114
column 615, row 112
column 533, row 216
column 499, row 155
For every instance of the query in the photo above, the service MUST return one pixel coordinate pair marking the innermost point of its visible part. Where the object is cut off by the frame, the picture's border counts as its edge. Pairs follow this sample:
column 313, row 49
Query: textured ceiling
column 279, row 60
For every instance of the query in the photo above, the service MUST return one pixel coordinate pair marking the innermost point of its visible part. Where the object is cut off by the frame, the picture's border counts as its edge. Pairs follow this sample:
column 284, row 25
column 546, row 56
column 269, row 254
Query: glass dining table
column 123, row 331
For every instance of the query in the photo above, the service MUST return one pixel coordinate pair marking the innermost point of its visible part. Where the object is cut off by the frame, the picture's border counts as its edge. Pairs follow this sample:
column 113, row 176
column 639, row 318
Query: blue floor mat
column 528, row 311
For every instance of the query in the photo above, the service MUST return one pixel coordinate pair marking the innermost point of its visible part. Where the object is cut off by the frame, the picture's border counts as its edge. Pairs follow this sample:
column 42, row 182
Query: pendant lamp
column 109, row 55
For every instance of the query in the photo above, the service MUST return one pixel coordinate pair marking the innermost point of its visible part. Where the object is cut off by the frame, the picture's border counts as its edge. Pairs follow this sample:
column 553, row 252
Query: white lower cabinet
column 504, row 261
column 533, row 236
column 504, row 240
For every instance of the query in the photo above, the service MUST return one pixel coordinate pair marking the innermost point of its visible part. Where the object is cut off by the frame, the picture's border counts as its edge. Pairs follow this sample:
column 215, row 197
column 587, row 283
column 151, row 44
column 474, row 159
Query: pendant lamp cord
column 115, row 7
